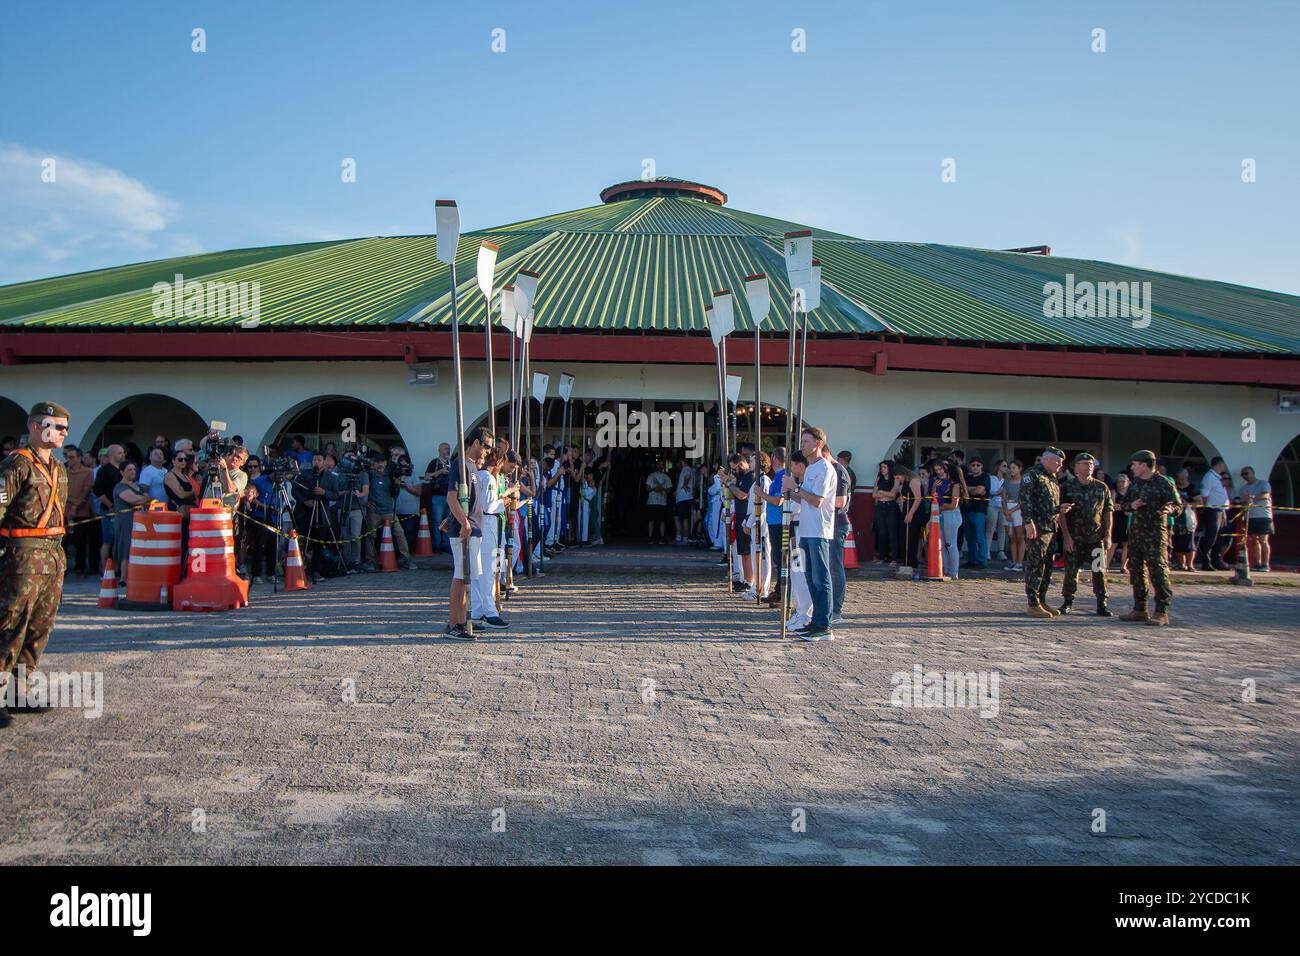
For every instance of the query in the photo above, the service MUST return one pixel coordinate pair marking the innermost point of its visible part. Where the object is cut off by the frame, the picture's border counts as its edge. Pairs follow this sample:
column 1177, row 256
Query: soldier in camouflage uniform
column 33, row 502
column 1150, row 500
column 1086, row 530
column 1040, row 503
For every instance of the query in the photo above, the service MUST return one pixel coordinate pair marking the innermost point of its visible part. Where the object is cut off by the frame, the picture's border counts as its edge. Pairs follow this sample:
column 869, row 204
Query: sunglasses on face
column 181, row 459
column 49, row 424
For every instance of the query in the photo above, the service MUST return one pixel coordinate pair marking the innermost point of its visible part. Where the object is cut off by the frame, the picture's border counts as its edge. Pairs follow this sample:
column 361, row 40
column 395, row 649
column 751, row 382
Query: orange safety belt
column 43, row 528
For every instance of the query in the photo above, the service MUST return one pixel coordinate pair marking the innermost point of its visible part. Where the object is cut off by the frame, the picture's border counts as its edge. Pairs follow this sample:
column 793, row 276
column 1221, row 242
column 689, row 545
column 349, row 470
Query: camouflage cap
column 1084, row 456
column 1145, row 456
column 1053, row 450
column 48, row 408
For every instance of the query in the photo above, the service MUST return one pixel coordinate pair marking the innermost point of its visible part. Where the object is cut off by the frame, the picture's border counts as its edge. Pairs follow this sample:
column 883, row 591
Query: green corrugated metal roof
column 651, row 263
column 42, row 295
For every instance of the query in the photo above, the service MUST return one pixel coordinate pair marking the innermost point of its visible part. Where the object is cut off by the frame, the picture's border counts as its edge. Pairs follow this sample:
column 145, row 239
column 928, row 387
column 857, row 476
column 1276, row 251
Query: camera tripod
column 283, row 512
column 320, row 518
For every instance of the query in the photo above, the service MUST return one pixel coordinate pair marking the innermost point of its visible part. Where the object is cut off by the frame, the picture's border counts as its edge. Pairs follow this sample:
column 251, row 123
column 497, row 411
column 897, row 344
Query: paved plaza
column 635, row 713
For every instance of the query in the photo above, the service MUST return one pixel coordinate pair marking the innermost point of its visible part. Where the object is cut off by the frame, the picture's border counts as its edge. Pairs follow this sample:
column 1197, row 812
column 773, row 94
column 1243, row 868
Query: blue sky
column 1132, row 155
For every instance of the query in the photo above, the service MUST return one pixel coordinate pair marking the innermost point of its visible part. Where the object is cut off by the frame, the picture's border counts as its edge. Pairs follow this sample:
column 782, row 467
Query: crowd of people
column 339, row 501
column 982, row 521
column 738, row 507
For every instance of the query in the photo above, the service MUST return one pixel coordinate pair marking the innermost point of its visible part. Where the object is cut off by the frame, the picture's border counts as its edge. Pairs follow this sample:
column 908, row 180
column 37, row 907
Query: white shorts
column 1015, row 519
column 458, row 559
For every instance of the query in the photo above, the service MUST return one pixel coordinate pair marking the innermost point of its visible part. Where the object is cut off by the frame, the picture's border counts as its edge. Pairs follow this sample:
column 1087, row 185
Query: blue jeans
column 836, row 557
column 438, row 510
column 816, row 561
column 978, row 544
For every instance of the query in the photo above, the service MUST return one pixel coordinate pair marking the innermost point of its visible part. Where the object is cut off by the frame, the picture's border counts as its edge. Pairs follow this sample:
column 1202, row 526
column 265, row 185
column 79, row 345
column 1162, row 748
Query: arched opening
column 1285, row 476
column 136, row 422
column 675, row 430
column 347, row 422
column 13, row 423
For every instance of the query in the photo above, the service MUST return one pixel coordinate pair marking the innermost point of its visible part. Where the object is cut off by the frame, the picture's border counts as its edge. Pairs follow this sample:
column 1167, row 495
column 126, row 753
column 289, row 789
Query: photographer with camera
column 381, row 508
column 235, row 498
column 259, row 504
column 352, row 477
column 437, row 477
column 410, row 489
column 315, row 491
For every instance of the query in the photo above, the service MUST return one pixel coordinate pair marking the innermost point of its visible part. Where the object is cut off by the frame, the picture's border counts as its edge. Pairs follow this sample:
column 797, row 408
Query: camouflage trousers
column 1084, row 555
column 28, row 605
column 1152, row 563
column 1038, row 566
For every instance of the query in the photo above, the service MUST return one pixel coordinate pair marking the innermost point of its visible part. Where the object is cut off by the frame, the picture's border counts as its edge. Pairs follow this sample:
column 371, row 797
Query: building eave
column 877, row 354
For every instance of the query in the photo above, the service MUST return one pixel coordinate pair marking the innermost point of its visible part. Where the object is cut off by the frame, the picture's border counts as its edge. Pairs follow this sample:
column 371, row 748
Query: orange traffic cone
column 294, row 577
column 387, row 555
column 850, row 551
column 108, row 586
column 423, row 537
column 934, row 548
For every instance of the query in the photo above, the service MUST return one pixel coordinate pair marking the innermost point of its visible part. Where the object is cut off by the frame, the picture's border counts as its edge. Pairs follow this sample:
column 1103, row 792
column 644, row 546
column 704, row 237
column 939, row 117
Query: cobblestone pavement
column 650, row 717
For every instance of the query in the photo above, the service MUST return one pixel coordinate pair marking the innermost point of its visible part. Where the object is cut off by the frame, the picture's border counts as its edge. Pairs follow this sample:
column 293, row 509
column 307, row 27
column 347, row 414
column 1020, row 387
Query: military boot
column 1065, row 607
column 1037, row 610
column 1160, row 618
column 1137, row 614
column 1103, row 610
column 5, row 718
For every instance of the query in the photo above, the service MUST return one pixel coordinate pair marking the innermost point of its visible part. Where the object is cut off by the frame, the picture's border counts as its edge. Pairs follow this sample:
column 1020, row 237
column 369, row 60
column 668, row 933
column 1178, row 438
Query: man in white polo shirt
column 1214, row 506
column 816, row 498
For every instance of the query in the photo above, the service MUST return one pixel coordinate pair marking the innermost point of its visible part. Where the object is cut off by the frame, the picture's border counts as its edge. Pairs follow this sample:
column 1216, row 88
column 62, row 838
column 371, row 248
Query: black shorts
column 684, row 509
column 1183, row 542
column 743, row 543
column 1259, row 526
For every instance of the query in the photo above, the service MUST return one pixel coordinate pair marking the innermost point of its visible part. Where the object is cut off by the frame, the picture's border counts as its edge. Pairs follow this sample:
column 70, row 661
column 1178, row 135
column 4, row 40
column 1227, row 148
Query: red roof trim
column 683, row 349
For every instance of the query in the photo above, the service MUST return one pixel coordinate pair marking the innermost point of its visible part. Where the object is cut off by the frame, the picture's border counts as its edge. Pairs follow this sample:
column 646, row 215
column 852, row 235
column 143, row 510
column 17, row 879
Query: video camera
column 215, row 447
column 353, row 473
column 278, row 469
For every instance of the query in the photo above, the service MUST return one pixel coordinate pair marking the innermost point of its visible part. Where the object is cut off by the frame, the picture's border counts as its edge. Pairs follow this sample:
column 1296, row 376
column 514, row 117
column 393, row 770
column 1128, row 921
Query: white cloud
column 89, row 213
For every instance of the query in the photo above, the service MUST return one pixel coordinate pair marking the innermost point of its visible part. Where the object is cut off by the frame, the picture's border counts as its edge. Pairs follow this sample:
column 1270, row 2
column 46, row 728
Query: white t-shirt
column 818, row 479
column 686, row 483
column 761, row 487
column 152, row 478
column 995, row 493
column 485, row 498
column 1212, row 490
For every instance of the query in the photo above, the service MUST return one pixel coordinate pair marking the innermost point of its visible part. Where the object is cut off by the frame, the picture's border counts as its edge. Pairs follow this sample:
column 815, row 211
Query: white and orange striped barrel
column 155, row 559
column 212, row 534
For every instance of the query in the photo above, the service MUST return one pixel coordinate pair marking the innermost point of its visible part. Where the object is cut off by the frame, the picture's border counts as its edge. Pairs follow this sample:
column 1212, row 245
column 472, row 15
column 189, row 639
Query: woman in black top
column 888, row 519
column 912, row 513
column 181, row 496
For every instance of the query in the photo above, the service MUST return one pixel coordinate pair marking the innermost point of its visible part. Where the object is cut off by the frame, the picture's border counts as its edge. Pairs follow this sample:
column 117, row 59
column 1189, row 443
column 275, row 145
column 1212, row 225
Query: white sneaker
column 751, row 595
